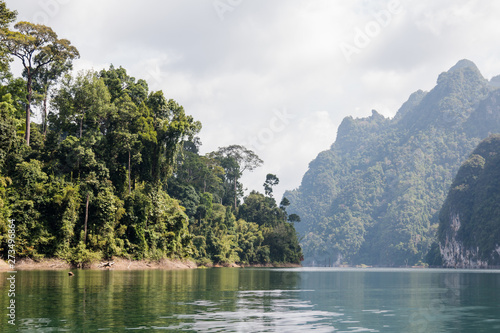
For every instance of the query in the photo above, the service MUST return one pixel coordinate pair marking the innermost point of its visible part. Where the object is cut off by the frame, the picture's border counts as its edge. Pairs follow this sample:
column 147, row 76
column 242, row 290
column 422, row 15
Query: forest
column 114, row 169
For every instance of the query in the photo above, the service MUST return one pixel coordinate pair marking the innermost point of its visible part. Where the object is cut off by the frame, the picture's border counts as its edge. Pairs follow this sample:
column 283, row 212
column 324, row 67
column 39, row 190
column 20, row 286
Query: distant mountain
column 375, row 195
column 469, row 222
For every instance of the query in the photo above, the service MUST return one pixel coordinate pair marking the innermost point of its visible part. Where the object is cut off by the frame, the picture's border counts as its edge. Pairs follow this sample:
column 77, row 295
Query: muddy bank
column 125, row 264
column 114, row 264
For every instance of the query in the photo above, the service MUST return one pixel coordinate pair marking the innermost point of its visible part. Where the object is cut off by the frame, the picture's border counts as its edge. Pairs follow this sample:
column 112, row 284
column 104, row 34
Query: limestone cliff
column 469, row 222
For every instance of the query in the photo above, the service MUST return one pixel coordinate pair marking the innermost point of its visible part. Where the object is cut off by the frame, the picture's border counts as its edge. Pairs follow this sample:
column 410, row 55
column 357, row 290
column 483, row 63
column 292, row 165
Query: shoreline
column 123, row 264
column 119, row 264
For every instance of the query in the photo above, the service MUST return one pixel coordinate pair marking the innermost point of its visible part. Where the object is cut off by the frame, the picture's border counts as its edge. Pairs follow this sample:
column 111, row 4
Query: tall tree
column 43, row 80
column 126, row 133
column 244, row 159
column 83, row 103
column 271, row 180
column 172, row 127
column 202, row 172
column 37, row 46
column 119, row 83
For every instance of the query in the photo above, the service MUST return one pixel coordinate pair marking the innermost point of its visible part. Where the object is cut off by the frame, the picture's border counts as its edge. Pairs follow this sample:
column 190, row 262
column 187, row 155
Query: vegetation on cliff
column 374, row 197
column 469, row 222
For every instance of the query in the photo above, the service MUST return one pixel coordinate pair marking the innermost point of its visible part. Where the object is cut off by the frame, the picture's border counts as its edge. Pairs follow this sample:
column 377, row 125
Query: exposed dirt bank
column 122, row 264
column 114, row 264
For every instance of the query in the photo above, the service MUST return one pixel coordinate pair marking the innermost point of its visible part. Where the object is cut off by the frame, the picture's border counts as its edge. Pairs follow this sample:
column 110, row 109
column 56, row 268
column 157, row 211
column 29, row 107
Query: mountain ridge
column 374, row 196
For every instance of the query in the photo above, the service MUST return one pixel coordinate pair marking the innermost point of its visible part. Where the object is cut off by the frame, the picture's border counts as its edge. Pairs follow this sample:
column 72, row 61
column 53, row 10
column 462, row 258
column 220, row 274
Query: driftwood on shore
column 106, row 264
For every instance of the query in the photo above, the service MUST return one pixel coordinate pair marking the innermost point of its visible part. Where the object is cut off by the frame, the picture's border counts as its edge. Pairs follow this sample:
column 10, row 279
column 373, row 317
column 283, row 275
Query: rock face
column 454, row 253
column 469, row 222
column 374, row 197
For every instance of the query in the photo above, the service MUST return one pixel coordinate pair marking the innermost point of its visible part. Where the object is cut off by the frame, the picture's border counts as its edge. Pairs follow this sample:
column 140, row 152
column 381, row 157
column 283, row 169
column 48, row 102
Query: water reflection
column 257, row 300
column 260, row 311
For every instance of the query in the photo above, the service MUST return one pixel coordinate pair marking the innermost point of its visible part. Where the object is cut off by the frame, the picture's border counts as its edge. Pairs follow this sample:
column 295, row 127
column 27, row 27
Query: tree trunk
column 28, row 108
column 235, row 195
column 129, row 178
column 86, row 220
column 44, row 115
column 154, row 164
column 81, row 125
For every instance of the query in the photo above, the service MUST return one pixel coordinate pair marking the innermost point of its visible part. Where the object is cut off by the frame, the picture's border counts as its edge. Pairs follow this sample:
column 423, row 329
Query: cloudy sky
column 277, row 76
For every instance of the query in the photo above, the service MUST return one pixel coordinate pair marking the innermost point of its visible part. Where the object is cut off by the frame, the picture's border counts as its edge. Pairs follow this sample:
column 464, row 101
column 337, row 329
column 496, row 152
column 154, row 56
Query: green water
column 255, row 300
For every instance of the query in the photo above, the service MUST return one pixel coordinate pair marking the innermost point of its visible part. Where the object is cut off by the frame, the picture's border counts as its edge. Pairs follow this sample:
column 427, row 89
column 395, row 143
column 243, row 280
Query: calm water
column 256, row 300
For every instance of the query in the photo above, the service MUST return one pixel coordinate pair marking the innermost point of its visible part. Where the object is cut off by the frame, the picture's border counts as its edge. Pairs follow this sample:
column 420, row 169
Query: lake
column 256, row 300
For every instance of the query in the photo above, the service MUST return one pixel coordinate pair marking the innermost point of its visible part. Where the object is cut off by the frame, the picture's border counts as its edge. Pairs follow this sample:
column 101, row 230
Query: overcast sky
column 277, row 76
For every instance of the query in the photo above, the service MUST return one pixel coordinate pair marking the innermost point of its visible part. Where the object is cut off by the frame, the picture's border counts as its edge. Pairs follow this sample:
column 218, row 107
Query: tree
column 6, row 17
column 278, row 235
column 283, row 206
column 119, row 83
column 172, row 127
column 7, row 126
column 260, row 209
column 44, row 80
column 271, row 180
column 284, row 203
column 37, row 46
column 244, row 159
column 202, row 172
column 83, row 103
column 125, row 134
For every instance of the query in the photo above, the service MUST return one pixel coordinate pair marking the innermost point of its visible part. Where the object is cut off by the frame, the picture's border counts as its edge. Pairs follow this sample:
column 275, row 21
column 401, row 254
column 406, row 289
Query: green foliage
column 271, row 180
column 434, row 257
column 261, row 210
column 7, row 126
column 283, row 244
column 250, row 240
column 82, row 104
column 4, row 212
column 235, row 160
column 7, row 16
column 259, row 235
column 37, row 46
column 120, row 84
column 80, row 256
column 65, row 209
column 66, row 193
